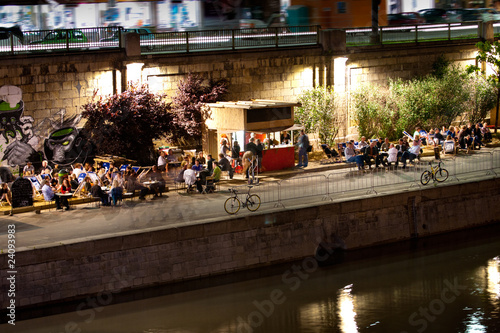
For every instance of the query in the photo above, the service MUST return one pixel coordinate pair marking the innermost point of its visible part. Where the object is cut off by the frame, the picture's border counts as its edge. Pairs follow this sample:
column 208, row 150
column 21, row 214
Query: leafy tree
column 431, row 101
column 321, row 112
column 189, row 111
column 126, row 124
column 482, row 100
column 489, row 54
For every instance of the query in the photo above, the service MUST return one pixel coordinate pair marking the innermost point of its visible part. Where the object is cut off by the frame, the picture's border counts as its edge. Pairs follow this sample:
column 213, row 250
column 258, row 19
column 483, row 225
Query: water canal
column 448, row 283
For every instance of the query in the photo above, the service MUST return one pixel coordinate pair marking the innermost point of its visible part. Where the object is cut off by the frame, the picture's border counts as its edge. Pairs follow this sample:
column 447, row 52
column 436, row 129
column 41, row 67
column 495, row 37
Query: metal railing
column 332, row 184
column 85, row 39
column 414, row 33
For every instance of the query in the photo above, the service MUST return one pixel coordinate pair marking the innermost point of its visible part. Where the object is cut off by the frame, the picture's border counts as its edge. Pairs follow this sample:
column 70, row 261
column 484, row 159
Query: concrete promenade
column 87, row 221
column 68, row 256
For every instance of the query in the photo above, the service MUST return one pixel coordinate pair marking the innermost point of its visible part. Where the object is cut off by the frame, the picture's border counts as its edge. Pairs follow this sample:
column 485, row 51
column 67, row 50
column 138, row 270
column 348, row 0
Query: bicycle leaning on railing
column 233, row 203
column 436, row 173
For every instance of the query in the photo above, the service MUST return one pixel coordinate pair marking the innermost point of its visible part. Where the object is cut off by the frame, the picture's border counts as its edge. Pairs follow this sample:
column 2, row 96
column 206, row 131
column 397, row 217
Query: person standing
column 303, row 145
column 162, row 162
column 260, row 148
column 235, row 153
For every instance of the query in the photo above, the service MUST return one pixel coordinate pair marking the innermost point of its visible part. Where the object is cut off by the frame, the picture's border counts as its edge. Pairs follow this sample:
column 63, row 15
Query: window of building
column 341, row 7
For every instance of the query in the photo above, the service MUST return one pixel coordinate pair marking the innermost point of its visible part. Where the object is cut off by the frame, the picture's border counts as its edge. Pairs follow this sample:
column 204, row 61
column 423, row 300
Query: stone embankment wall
column 171, row 254
column 56, row 82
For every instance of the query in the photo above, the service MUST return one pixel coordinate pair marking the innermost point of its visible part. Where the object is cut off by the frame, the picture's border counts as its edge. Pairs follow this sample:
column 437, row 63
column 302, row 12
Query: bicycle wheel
column 232, row 205
column 441, row 175
column 426, row 177
column 253, row 202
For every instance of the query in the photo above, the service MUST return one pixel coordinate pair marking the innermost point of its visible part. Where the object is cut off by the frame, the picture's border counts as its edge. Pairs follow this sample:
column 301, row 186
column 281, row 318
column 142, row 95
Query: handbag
column 309, row 148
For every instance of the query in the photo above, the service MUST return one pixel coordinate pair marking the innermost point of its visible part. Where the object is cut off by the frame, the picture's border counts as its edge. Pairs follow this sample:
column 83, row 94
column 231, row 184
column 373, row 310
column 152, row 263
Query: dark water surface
column 448, row 283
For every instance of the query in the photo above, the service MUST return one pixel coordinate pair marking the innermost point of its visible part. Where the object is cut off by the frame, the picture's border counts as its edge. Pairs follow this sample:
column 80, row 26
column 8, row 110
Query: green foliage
column 320, row 112
column 431, row 101
column 489, row 54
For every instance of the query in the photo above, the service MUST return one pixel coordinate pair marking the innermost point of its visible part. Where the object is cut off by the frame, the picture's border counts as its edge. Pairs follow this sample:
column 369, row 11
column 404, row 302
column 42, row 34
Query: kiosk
column 262, row 119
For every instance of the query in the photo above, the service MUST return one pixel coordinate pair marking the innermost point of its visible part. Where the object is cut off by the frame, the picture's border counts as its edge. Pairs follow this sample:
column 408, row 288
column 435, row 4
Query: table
column 64, row 197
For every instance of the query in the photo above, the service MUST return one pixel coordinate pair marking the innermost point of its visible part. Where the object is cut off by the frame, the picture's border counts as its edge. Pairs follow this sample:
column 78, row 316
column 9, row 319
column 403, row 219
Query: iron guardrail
column 340, row 182
column 85, row 39
column 426, row 32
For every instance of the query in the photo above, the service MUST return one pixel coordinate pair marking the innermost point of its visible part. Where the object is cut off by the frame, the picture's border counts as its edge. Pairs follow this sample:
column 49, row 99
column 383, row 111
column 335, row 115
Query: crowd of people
column 106, row 182
column 382, row 152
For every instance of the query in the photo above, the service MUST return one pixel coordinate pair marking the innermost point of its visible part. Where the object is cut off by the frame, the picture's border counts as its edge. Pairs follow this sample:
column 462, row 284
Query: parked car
column 406, row 18
column 454, row 15
column 144, row 34
column 480, row 14
column 60, row 36
column 434, row 15
column 275, row 20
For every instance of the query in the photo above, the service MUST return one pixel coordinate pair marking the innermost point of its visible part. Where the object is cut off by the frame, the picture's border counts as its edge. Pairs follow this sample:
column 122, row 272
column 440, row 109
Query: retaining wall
column 161, row 256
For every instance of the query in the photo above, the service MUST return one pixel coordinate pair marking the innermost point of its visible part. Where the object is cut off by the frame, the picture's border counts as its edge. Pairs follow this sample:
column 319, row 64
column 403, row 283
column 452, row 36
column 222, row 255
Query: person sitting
column 411, row 154
column 401, row 147
column 438, row 137
column 180, row 176
column 116, row 192
column 97, row 192
column 384, row 148
column 202, row 180
column 449, row 145
column 210, row 163
column 29, row 169
column 362, row 145
column 217, row 172
column 65, row 186
column 392, row 155
column 77, row 169
column 225, row 165
column 74, row 182
column 132, row 185
column 478, row 136
column 6, row 194
column 171, row 158
column 197, row 167
column 87, row 185
column 201, row 158
column 350, row 156
column 159, row 187
column 485, row 131
column 49, row 195
column 45, row 168
column 371, row 152
column 189, row 177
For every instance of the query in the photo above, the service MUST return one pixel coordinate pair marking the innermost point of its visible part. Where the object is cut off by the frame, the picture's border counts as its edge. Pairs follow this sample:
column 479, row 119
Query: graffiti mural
column 56, row 139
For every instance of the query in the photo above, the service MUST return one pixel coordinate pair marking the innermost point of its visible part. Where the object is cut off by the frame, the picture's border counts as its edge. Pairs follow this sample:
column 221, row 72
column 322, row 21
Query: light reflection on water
column 448, row 289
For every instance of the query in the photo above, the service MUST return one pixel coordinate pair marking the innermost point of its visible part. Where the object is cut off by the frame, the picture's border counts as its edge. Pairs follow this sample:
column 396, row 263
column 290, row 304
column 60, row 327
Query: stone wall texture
column 55, row 82
column 167, row 255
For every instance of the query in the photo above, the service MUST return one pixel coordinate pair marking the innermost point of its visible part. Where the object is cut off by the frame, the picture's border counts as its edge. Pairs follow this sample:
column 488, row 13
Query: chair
column 210, row 185
column 123, row 167
column 81, row 177
column 331, row 154
column 106, row 166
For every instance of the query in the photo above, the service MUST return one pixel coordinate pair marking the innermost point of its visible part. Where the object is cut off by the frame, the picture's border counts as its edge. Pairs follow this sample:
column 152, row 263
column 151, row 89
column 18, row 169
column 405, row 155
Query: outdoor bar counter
column 278, row 158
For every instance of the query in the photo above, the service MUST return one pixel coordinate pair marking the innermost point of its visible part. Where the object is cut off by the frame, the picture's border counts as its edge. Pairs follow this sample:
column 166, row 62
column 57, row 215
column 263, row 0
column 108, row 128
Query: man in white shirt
column 162, row 162
column 77, row 170
column 189, row 177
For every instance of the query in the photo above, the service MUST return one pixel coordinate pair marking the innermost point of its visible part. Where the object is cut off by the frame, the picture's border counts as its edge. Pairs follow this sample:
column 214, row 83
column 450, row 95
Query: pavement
column 47, row 227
